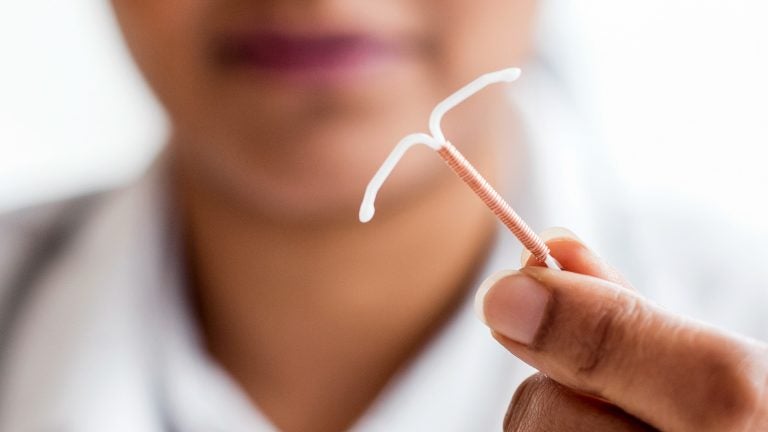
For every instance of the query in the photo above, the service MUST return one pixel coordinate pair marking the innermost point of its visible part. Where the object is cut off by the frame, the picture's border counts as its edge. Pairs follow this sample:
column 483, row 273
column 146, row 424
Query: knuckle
column 532, row 400
column 734, row 396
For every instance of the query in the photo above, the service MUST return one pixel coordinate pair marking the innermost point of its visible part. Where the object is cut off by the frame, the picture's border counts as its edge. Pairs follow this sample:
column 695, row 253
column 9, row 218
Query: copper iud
column 461, row 166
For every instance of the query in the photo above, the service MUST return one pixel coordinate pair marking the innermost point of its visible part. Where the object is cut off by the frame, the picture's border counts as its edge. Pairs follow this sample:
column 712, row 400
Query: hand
column 611, row 360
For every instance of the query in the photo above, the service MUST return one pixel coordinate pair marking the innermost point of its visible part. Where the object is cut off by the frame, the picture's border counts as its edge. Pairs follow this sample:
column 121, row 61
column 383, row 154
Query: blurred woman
column 232, row 287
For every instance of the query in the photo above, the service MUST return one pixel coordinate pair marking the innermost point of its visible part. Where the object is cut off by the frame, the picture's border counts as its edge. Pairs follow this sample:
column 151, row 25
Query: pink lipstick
column 297, row 56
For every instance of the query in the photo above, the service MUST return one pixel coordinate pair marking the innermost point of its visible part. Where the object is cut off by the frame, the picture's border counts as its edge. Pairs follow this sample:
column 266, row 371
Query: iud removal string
column 461, row 166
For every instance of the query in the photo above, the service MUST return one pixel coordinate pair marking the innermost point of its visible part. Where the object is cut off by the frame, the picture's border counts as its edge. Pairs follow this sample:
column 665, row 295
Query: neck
column 297, row 314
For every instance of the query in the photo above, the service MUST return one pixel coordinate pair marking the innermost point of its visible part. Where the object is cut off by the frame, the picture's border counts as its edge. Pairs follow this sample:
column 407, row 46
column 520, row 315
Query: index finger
column 574, row 256
column 603, row 339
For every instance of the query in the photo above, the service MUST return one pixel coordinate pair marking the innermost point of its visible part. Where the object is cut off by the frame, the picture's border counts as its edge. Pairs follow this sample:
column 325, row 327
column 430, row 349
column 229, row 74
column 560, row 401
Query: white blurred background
column 677, row 88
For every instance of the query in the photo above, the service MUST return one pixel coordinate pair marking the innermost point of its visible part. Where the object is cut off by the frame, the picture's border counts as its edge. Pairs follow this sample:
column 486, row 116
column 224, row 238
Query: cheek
column 480, row 36
column 164, row 38
column 472, row 38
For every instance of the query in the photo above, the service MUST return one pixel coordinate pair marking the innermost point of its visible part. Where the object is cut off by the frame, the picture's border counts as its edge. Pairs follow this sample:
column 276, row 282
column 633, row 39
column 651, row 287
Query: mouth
column 299, row 56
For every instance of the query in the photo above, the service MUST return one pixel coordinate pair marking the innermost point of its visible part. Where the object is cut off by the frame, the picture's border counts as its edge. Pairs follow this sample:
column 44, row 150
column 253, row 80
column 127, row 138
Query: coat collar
column 81, row 354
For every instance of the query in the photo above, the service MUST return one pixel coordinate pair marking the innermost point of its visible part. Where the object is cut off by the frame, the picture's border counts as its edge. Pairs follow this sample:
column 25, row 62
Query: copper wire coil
column 461, row 166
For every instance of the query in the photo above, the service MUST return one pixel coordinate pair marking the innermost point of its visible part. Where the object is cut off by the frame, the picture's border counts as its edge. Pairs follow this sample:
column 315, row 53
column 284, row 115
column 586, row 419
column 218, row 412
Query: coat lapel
column 81, row 353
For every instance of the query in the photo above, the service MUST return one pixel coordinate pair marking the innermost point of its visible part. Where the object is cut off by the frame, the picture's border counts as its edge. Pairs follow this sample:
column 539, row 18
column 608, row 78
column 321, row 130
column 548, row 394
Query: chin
column 318, row 181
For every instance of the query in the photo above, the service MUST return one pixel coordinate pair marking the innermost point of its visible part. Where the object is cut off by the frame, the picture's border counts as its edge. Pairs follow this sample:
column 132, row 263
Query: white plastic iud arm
column 367, row 209
column 461, row 167
column 504, row 75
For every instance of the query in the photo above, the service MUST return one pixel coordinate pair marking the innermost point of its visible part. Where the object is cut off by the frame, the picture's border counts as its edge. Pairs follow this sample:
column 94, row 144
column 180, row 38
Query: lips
column 288, row 53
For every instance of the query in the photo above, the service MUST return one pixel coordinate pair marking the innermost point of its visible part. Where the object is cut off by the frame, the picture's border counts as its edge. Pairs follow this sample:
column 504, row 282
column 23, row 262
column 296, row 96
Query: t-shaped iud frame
column 461, row 166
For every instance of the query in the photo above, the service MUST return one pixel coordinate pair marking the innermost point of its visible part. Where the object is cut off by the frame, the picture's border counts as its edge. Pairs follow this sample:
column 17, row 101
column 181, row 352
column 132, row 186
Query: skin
column 612, row 360
column 267, row 174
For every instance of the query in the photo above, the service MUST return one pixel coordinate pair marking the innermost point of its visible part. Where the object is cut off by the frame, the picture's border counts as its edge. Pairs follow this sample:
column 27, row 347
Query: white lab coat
column 95, row 334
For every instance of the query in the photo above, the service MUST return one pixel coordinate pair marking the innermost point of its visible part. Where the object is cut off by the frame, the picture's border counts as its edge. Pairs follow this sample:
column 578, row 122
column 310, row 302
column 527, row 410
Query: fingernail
column 547, row 235
column 512, row 304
